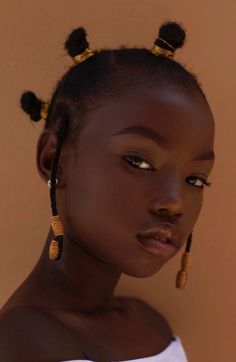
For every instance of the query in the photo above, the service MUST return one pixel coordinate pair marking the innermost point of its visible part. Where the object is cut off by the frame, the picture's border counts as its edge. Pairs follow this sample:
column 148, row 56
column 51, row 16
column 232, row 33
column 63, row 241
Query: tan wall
column 32, row 57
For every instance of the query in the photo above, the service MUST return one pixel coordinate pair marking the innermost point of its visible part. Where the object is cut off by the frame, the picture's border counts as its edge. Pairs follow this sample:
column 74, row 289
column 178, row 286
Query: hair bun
column 31, row 105
column 173, row 34
column 76, row 42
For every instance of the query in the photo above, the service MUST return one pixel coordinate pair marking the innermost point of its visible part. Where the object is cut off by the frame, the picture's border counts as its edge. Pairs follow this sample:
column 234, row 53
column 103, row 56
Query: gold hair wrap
column 55, row 247
column 57, row 225
column 44, row 110
column 157, row 50
column 182, row 276
column 83, row 56
column 53, row 250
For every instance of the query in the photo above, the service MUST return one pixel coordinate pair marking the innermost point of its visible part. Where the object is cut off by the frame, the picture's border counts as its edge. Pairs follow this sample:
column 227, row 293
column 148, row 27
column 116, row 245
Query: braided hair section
column 171, row 36
column 32, row 105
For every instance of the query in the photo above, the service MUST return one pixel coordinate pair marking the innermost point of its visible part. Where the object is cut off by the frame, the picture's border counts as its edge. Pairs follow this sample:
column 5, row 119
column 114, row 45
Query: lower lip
column 157, row 247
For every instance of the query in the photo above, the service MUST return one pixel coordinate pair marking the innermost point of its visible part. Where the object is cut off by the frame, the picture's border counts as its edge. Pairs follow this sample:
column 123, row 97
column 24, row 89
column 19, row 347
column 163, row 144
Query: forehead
column 184, row 119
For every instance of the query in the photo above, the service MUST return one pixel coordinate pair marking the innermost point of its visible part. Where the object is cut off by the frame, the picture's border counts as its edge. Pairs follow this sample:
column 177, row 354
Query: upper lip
column 163, row 231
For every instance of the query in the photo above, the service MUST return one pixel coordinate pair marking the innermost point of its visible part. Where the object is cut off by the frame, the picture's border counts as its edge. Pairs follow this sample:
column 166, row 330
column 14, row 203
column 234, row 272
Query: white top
column 174, row 352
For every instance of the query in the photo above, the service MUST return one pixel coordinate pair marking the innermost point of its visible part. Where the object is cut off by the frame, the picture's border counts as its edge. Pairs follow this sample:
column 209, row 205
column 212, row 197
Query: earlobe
column 46, row 148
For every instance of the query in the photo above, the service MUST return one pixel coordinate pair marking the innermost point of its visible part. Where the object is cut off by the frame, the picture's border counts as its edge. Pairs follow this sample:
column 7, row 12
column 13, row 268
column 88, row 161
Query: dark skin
column 104, row 202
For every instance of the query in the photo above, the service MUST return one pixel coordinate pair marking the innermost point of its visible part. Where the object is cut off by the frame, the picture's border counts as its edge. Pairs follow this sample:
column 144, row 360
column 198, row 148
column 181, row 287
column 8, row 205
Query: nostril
column 167, row 213
column 178, row 215
column 163, row 212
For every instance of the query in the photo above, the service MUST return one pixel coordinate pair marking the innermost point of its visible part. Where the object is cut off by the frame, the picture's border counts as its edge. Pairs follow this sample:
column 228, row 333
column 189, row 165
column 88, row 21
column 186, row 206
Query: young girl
column 126, row 151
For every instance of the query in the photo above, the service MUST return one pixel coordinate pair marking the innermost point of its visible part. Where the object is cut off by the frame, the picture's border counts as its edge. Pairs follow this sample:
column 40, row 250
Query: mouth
column 162, row 239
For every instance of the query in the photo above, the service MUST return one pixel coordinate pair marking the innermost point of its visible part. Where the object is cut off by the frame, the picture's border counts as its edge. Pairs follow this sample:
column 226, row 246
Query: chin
column 144, row 270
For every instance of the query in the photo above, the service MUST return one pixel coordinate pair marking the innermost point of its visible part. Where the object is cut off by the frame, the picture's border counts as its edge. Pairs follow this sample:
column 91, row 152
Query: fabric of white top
column 174, row 352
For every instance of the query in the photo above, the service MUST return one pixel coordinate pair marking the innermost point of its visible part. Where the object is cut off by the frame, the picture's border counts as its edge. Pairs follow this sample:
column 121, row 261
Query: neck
column 78, row 281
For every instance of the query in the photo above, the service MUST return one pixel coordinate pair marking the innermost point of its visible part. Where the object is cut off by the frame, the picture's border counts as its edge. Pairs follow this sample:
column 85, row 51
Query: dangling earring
column 186, row 262
column 55, row 247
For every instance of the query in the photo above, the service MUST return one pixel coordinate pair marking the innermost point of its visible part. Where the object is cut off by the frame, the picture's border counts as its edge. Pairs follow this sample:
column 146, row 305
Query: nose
column 168, row 199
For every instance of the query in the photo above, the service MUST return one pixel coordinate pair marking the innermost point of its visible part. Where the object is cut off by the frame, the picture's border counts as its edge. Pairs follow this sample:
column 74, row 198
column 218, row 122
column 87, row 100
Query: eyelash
column 132, row 157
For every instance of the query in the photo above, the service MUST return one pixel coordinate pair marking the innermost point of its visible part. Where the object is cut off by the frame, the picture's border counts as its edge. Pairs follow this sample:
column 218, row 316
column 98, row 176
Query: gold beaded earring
column 186, row 262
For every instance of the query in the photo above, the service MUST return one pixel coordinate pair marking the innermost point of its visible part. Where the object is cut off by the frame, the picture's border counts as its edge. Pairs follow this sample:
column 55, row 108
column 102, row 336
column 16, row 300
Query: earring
column 186, row 262
column 49, row 182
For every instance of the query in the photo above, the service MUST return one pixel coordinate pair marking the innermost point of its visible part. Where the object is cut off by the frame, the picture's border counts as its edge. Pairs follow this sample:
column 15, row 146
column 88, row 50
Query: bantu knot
column 76, row 42
column 31, row 105
column 173, row 34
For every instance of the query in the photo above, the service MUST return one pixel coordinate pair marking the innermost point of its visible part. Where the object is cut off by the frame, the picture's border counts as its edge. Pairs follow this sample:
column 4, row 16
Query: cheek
column 100, row 209
column 103, row 214
column 194, row 205
column 102, row 192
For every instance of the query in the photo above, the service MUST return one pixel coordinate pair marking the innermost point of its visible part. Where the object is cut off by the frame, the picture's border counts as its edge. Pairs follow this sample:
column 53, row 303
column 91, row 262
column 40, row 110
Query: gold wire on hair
column 157, row 50
column 169, row 45
column 83, row 56
column 57, row 225
column 53, row 250
column 58, row 229
column 44, row 110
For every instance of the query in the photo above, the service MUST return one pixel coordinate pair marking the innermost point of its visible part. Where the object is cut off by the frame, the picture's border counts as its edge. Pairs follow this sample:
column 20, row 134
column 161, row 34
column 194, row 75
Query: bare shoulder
column 150, row 315
column 28, row 334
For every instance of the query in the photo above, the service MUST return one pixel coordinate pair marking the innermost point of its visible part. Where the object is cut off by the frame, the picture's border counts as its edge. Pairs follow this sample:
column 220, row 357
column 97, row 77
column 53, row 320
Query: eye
column 199, row 182
column 138, row 162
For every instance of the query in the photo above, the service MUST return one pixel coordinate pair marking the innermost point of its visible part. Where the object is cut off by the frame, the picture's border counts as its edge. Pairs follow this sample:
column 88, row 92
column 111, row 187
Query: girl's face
column 118, row 180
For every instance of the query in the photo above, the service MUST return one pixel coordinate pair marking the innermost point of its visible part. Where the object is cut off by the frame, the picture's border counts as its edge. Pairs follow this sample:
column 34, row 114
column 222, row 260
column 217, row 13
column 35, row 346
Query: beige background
column 32, row 57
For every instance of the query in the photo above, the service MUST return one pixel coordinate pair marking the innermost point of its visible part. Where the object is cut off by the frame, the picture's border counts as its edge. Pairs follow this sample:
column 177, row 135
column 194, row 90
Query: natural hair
column 106, row 75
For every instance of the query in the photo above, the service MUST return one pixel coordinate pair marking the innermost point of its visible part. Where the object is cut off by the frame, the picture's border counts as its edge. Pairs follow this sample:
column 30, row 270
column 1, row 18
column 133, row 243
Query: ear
column 46, row 149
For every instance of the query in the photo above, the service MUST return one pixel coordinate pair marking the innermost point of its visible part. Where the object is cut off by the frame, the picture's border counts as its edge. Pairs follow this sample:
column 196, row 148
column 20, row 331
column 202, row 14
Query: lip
column 163, row 237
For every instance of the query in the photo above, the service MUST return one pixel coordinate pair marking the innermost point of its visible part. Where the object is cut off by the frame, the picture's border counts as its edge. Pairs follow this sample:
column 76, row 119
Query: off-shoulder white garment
column 174, row 352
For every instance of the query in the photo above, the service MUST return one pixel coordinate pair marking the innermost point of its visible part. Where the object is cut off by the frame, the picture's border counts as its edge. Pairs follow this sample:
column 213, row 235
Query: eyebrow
column 160, row 140
column 146, row 132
